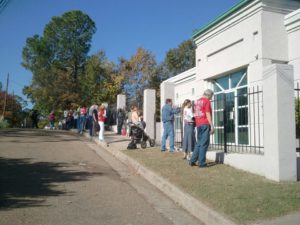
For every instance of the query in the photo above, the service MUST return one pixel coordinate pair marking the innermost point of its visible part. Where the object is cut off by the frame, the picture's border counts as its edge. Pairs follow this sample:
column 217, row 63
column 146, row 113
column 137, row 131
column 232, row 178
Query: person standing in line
column 121, row 117
column 101, row 120
column 78, row 119
column 75, row 116
column 203, row 117
column 134, row 114
column 95, row 120
column 189, row 138
column 168, row 113
column 90, row 120
column 82, row 116
column 34, row 118
column 133, row 118
column 52, row 120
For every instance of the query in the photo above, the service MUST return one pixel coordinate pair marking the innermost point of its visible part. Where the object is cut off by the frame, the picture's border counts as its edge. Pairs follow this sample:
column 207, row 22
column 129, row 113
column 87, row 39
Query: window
column 231, row 100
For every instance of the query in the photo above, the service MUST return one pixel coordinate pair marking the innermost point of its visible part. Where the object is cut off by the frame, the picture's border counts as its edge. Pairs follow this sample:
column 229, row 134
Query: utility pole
column 5, row 98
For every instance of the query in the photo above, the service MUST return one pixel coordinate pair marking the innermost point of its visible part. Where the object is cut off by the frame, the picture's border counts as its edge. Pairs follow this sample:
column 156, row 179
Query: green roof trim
column 221, row 17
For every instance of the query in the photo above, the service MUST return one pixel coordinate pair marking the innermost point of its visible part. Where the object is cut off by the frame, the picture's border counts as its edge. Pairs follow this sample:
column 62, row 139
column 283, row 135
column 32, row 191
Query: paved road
column 57, row 178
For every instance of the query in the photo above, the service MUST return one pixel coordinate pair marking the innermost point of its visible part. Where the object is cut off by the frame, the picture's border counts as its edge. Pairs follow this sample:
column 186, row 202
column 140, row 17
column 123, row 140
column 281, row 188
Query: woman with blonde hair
column 101, row 120
column 189, row 138
column 134, row 114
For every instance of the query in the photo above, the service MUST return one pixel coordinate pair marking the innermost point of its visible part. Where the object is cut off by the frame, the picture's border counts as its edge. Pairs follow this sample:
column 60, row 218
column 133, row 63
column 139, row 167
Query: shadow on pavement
column 24, row 183
column 14, row 135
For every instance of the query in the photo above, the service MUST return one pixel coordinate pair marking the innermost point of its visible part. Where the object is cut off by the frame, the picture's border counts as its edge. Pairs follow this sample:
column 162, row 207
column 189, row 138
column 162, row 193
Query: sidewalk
column 116, row 143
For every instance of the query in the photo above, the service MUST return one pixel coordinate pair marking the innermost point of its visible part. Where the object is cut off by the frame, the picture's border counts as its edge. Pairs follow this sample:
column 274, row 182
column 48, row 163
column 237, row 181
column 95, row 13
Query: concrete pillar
column 279, row 123
column 121, row 104
column 292, row 24
column 167, row 90
column 149, row 112
column 121, row 101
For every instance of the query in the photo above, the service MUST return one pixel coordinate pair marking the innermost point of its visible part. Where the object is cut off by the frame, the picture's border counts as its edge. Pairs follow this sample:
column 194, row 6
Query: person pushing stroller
column 137, row 133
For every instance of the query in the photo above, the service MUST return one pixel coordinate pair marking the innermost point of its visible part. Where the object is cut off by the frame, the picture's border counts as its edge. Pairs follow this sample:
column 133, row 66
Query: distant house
column 236, row 55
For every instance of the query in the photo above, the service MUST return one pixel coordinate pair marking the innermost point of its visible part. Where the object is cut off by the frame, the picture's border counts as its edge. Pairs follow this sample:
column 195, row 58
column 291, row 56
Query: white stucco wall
column 183, row 86
column 292, row 23
column 262, row 33
column 234, row 44
column 252, row 38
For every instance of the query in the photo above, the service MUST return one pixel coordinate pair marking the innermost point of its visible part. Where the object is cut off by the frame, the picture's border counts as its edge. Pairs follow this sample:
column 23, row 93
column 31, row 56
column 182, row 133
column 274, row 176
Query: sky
column 122, row 27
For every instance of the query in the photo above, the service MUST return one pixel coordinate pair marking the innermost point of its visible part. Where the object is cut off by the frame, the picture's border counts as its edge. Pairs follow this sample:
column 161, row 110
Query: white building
column 250, row 57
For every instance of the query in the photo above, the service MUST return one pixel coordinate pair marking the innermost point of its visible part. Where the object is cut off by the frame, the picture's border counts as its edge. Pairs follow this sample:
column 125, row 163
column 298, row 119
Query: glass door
column 231, row 100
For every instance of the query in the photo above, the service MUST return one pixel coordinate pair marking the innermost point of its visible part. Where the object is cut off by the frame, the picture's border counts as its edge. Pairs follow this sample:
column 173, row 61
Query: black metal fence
column 178, row 130
column 238, row 122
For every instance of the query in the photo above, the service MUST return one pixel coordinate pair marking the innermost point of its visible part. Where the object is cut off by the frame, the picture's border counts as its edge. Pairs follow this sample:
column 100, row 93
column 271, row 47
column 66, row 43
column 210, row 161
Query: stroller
column 138, row 136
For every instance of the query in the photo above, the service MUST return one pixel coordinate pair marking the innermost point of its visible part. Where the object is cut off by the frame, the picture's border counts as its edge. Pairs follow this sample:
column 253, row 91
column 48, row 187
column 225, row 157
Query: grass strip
column 242, row 196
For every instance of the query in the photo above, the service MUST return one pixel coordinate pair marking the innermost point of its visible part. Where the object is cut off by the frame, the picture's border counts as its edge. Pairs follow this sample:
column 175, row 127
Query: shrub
column 4, row 124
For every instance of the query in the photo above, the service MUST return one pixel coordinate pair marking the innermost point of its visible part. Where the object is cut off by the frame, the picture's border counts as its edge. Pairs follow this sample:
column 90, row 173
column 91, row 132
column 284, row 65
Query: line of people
column 92, row 119
column 83, row 118
column 194, row 146
column 95, row 116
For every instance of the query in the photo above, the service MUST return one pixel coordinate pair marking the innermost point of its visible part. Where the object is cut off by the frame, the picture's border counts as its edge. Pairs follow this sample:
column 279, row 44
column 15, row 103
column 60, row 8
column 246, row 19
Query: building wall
column 233, row 45
column 253, row 38
column 185, row 90
column 292, row 24
column 263, row 34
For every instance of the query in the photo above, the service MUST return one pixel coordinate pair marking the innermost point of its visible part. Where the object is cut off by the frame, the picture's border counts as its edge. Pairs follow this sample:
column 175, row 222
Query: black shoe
column 192, row 163
column 203, row 166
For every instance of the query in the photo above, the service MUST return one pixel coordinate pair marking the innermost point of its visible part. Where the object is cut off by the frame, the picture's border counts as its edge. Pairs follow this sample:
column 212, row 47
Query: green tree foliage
column 137, row 72
column 176, row 61
column 101, row 81
column 180, row 59
column 13, row 109
column 57, row 60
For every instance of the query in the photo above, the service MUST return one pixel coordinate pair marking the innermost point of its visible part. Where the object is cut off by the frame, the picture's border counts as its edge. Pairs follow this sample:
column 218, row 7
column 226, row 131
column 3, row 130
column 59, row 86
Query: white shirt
column 187, row 114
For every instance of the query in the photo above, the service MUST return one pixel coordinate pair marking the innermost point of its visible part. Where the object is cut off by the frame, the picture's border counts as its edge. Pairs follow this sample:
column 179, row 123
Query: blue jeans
column 51, row 125
column 81, row 124
column 168, row 132
column 202, row 145
column 90, row 125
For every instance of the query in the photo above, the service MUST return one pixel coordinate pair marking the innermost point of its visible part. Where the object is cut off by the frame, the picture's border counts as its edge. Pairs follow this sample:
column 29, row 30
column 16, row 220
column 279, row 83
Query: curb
column 189, row 203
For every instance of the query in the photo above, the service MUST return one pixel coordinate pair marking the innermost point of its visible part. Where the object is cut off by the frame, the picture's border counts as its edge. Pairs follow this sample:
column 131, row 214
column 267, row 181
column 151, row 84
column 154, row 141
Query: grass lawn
column 241, row 196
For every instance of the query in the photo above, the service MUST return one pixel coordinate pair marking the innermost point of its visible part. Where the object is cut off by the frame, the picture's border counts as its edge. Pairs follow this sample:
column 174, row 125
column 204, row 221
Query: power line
column 3, row 4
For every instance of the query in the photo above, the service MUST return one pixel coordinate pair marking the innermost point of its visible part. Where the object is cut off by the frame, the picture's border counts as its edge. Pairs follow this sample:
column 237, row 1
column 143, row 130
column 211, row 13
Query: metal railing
column 238, row 122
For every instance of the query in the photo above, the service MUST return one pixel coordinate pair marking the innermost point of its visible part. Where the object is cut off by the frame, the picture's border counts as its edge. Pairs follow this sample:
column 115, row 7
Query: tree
column 57, row 60
column 13, row 108
column 101, row 81
column 176, row 61
column 180, row 59
column 137, row 72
